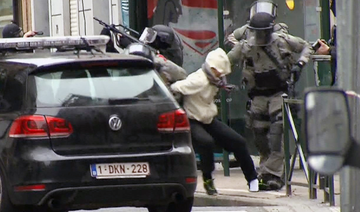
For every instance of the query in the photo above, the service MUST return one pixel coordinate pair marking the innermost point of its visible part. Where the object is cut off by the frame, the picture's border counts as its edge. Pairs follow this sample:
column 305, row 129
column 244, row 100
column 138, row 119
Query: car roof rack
column 96, row 42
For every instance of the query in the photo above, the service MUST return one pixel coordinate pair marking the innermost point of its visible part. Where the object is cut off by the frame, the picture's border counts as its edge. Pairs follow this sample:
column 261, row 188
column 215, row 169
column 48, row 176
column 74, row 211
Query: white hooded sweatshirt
column 198, row 93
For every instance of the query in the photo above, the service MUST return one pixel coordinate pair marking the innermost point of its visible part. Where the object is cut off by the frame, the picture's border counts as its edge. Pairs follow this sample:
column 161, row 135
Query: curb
column 202, row 199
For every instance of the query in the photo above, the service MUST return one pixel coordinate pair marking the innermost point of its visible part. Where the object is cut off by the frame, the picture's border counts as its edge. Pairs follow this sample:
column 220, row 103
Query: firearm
column 117, row 31
column 291, row 86
column 129, row 29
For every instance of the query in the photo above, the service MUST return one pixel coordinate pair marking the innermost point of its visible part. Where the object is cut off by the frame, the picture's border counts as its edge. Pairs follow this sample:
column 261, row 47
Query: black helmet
column 165, row 36
column 261, row 21
column 12, row 31
column 261, row 26
column 164, row 39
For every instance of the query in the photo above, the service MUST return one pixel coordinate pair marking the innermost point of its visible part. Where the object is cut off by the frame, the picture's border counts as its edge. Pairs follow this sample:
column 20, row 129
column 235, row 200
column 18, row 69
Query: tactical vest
column 268, row 75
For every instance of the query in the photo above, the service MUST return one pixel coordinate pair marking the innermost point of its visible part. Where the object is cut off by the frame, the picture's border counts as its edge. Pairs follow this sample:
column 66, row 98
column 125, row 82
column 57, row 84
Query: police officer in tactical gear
column 14, row 31
column 248, row 79
column 261, row 6
column 164, row 39
column 170, row 58
column 274, row 57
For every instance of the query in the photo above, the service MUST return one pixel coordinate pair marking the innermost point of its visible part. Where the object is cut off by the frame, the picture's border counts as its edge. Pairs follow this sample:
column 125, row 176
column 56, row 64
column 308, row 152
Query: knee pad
column 275, row 136
column 261, row 141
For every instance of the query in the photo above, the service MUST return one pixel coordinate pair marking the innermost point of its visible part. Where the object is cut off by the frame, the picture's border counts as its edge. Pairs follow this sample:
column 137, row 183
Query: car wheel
column 5, row 203
column 43, row 209
column 181, row 206
column 157, row 209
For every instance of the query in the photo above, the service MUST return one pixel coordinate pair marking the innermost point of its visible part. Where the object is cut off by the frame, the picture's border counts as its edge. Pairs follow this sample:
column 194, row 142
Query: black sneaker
column 209, row 187
column 276, row 183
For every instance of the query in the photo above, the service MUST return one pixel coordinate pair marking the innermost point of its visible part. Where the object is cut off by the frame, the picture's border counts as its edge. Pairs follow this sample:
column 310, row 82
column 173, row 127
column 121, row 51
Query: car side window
column 12, row 86
column 3, row 77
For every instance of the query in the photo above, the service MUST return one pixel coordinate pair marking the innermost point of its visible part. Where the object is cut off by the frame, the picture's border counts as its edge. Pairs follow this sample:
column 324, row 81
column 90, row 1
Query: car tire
column 43, row 209
column 6, row 204
column 181, row 206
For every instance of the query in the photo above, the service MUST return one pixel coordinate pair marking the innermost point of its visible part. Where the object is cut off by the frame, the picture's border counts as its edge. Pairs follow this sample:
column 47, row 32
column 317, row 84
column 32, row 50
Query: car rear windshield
column 96, row 86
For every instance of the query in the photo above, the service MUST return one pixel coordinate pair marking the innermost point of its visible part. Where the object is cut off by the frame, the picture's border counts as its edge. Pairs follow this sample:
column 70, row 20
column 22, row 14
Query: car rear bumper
column 93, row 197
column 68, row 180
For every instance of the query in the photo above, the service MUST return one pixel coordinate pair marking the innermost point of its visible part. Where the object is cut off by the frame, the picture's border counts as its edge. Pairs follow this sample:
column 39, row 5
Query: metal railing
column 292, row 125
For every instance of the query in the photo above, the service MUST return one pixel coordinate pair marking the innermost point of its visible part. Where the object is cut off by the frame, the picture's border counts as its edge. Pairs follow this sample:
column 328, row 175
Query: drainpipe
column 16, row 15
column 325, row 68
column 325, row 19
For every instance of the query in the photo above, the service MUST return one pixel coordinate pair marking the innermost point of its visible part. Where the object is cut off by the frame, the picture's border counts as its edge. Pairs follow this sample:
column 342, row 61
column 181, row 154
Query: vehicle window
column 12, row 86
column 97, row 86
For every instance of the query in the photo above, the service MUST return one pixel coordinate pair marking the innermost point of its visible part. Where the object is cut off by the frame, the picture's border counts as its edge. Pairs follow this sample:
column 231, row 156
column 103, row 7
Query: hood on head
column 219, row 60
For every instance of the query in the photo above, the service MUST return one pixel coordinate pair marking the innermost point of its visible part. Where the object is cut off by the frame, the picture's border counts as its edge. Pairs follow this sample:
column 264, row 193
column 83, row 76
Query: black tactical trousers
column 204, row 138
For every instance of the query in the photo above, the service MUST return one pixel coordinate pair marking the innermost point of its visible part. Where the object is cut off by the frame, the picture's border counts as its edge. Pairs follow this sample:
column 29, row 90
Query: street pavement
column 233, row 191
column 206, row 209
column 235, row 197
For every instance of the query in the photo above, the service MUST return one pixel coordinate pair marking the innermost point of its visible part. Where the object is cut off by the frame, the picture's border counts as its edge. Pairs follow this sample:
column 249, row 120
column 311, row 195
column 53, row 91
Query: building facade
column 6, row 13
column 62, row 17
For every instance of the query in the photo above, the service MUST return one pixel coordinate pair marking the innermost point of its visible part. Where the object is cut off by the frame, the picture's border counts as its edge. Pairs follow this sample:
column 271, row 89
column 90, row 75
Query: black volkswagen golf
column 91, row 130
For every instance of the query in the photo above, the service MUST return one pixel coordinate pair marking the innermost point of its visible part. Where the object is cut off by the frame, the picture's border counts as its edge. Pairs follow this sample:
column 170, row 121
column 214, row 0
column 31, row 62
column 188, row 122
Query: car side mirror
column 327, row 129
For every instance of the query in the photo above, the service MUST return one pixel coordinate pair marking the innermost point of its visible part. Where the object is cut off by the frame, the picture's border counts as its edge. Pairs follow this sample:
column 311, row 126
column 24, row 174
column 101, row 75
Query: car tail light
column 190, row 180
column 29, row 126
column 40, row 187
column 58, row 127
column 174, row 121
column 37, row 126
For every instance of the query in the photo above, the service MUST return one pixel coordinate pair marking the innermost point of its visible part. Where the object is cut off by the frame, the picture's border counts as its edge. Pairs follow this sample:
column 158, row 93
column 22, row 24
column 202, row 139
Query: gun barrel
column 117, row 31
column 127, row 28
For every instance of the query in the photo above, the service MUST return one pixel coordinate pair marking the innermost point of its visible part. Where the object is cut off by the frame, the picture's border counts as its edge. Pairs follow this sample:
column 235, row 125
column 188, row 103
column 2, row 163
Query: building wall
column 40, row 16
column 6, row 13
column 63, row 17
column 26, row 14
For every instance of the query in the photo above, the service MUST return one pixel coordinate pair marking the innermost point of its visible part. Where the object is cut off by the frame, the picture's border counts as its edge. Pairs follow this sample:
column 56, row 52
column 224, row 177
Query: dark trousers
column 204, row 138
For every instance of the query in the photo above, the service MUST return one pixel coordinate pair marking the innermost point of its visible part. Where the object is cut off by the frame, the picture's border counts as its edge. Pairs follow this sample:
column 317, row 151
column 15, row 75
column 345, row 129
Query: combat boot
column 209, row 187
column 275, row 183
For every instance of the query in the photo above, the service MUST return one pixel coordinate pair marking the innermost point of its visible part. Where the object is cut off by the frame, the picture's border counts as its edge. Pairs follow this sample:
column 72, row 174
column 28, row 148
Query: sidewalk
column 233, row 191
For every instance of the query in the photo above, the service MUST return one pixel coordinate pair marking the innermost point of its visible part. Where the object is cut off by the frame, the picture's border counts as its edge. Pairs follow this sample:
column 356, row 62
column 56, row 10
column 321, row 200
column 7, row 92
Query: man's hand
column 29, row 34
column 323, row 49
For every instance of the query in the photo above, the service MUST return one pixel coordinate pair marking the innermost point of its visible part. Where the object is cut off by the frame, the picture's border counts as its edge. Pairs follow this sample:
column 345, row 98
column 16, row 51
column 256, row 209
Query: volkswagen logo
column 115, row 122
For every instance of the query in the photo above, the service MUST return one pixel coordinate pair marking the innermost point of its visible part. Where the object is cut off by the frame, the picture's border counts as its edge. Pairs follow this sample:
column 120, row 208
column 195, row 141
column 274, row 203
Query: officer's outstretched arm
column 236, row 54
column 240, row 33
column 237, row 35
column 231, row 41
column 169, row 69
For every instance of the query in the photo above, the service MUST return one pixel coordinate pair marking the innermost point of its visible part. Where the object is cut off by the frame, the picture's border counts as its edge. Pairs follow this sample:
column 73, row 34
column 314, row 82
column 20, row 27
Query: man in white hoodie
column 199, row 90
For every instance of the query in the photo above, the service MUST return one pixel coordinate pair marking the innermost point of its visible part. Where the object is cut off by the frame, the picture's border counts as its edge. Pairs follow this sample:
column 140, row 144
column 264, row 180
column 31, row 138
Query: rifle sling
column 272, row 58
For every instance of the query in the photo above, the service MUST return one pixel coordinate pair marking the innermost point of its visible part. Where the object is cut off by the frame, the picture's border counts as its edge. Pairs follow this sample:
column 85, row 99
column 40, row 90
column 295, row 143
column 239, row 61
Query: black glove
column 296, row 70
